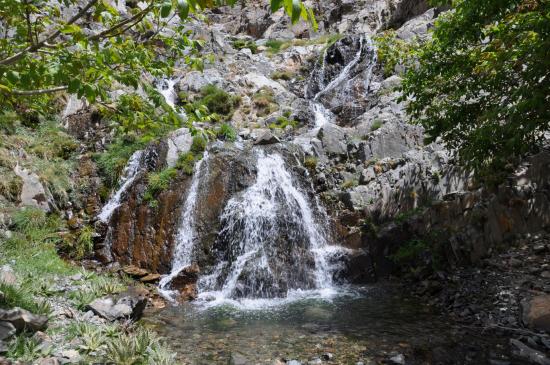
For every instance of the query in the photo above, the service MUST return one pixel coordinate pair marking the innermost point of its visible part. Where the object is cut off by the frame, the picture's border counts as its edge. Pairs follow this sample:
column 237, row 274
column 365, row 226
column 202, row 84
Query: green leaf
column 312, row 20
column 166, row 9
column 296, row 10
column 70, row 29
column 73, row 86
column 4, row 88
column 12, row 76
column 276, row 5
column 183, row 9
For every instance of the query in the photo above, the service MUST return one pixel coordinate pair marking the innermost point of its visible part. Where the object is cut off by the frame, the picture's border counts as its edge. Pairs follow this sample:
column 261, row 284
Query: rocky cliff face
column 381, row 185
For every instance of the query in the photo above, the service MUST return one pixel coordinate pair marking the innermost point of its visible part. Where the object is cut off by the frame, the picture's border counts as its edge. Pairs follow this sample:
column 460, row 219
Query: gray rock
column 23, row 320
column 398, row 359
column 71, row 357
column 48, row 361
column 127, row 306
column 525, row 352
column 3, row 347
column 536, row 312
column 367, row 175
column 333, row 139
column 266, row 138
column 238, row 359
column 194, row 81
column 6, row 330
column 32, row 193
column 293, row 362
column 7, row 276
column 179, row 141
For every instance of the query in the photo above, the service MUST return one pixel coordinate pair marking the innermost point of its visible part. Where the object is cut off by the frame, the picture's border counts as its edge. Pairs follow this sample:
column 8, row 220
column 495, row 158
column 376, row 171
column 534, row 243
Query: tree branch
column 38, row 91
column 106, row 33
column 40, row 44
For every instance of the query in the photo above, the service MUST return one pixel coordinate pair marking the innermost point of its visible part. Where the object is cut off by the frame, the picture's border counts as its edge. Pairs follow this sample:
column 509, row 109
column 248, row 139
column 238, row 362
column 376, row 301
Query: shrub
column 245, row 43
column 376, row 125
column 227, row 132
column 186, row 162
column 311, row 162
column 199, row 144
column 218, row 101
column 159, row 181
column 282, row 123
column 282, row 75
column 22, row 298
column 349, row 184
column 391, row 51
column 274, row 45
column 264, row 101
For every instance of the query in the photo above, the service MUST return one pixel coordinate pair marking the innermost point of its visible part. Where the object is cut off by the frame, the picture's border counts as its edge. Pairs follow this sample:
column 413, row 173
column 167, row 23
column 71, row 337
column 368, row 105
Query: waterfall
column 343, row 76
column 322, row 115
column 323, row 80
column 129, row 174
column 186, row 233
column 271, row 243
column 166, row 88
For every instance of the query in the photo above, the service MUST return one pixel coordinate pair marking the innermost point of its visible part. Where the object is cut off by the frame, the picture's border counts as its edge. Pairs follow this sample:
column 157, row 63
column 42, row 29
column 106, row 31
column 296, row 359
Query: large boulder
column 186, row 283
column 127, row 305
column 33, row 193
column 536, row 312
column 179, row 141
column 22, row 320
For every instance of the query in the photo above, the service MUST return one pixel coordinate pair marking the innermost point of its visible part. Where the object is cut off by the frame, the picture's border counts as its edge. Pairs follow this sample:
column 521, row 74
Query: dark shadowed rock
column 6, row 330
column 23, row 320
column 533, row 356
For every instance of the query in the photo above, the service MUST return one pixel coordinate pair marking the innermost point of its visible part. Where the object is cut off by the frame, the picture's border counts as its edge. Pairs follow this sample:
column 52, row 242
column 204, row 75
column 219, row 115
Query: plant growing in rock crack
column 376, row 125
column 218, row 101
column 264, row 101
column 245, row 43
column 282, row 75
column 348, row 184
column 310, row 162
column 227, row 132
column 283, row 122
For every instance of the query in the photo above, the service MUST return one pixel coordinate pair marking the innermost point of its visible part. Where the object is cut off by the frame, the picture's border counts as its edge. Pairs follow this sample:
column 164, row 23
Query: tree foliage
column 88, row 48
column 482, row 83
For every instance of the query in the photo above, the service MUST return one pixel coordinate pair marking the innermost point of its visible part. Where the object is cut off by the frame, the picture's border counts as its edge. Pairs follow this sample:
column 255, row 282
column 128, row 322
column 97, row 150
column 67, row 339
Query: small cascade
column 345, row 69
column 166, row 87
column 322, row 115
column 129, row 174
column 185, row 238
column 271, row 243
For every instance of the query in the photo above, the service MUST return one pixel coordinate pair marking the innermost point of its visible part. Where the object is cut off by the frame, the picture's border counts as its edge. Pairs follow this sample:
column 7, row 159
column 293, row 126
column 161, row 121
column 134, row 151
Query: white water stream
column 128, row 176
column 186, row 233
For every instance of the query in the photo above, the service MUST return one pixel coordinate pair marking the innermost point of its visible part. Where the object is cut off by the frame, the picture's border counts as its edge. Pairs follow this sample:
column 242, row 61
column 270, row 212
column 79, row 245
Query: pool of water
column 366, row 324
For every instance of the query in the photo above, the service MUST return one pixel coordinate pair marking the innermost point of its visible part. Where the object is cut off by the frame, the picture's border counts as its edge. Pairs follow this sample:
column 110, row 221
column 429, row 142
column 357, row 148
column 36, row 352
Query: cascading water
column 185, row 238
column 166, row 88
column 271, row 244
column 129, row 174
column 335, row 74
